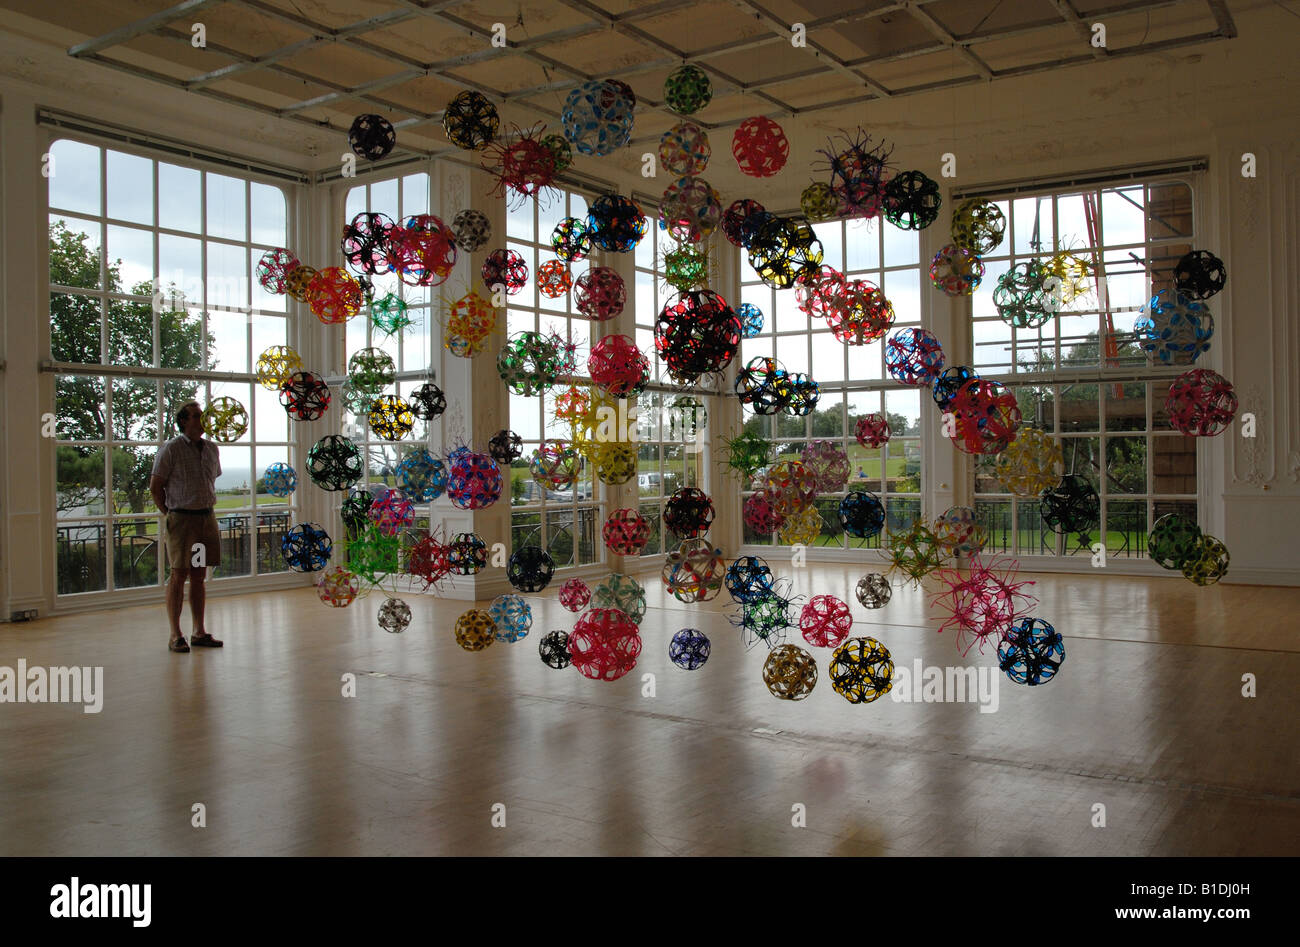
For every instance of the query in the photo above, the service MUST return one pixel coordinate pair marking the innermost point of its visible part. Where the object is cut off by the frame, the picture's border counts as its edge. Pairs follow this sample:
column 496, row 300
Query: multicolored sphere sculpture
column 913, row 356
column 306, row 547
column 273, row 270
column 371, row 370
column 696, row 334
column 334, row 296
column 734, row 218
column 829, row 465
column 1032, row 651
column 467, row 554
column 474, row 481
column 555, row 465
column 861, row 670
column 280, row 479
column 505, row 269
column 959, row 531
column 1201, row 403
column 790, row 672
column 956, row 270
column 616, row 223
column 985, row 417
column 337, row 587
column 571, row 240
column 1028, row 295
column 391, row 511
column 621, row 592
column 390, row 417
column 1172, row 539
column 689, row 649
column 684, row 150
column 694, row 571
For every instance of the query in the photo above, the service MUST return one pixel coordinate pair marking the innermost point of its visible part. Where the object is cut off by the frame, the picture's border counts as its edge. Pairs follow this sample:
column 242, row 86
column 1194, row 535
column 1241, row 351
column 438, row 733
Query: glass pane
column 415, row 194
column 74, row 176
column 180, row 338
column 1126, row 406
column 227, row 283
column 226, row 210
column 180, row 201
column 130, row 333
column 861, row 245
column 1078, row 407
column 269, row 212
column 74, row 253
column 75, row 327
column 1169, row 210
column 130, row 188
column 1126, row 465
column 1173, row 465
column 180, row 266
column 1123, row 220
column 130, row 258
column 1126, row 528
column 81, row 559
column 902, row 247
column 236, row 538
column 135, row 416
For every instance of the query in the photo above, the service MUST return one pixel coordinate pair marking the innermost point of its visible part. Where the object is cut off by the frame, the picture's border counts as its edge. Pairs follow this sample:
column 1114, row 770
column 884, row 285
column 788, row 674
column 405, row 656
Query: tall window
column 671, row 455
column 566, row 523
column 852, row 378
column 151, row 267
column 1114, row 434
column 408, row 346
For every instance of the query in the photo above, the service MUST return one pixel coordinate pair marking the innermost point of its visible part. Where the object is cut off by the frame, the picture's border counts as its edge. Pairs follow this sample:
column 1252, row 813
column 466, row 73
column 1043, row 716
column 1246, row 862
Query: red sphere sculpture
column 604, row 644
column 618, row 366
column 859, row 315
column 625, row 532
column 554, row 279
column 1201, row 403
column 428, row 560
column 985, row 417
column 422, row 251
column 600, row 293
column 574, row 595
column 505, row 268
column 873, row 430
column 760, row 513
column 760, row 147
column 274, row 268
column 825, row 621
column 734, row 217
column 333, row 295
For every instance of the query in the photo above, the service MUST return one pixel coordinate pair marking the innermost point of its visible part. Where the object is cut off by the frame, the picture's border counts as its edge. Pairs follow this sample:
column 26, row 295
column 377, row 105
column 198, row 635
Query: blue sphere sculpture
column 280, row 479
column 751, row 320
column 512, row 616
column 1175, row 331
column 689, row 649
column 598, row 117
column 749, row 579
column 1031, row 651
column 306, row 547
column 861, row 514
column 422, row 476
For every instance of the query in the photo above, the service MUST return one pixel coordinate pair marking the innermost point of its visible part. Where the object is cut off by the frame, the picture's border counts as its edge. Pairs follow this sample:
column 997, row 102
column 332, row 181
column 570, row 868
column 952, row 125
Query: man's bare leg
column 175, row 600
column 198, row 599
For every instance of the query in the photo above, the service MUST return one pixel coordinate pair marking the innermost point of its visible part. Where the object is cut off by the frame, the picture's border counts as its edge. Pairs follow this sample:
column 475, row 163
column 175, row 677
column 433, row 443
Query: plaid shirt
column 190, row 473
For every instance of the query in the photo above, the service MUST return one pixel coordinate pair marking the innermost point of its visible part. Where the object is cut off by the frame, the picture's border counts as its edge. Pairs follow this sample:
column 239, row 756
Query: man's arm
column 156, row 485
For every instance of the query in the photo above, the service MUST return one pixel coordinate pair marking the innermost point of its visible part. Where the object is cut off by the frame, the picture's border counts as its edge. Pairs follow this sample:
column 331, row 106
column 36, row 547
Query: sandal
column 178, row 645
column 205, row 640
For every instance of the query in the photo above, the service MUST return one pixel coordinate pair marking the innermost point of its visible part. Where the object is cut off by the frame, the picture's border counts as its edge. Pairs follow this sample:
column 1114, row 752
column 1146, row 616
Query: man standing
column 184, row 488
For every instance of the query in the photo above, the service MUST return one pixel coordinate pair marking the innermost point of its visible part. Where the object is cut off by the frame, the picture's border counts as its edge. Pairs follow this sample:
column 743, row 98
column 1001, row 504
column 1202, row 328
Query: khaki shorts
column 185, row 532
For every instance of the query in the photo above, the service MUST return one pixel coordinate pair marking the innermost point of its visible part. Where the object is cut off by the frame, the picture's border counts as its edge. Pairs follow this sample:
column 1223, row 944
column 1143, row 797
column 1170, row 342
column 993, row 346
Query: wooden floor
column 1146, row 718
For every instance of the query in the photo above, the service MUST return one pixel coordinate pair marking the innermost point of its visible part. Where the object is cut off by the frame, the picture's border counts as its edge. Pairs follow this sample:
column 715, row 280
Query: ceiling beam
column 781, row 28
column 150, row 23
column 947, row 39
column 1081, row 29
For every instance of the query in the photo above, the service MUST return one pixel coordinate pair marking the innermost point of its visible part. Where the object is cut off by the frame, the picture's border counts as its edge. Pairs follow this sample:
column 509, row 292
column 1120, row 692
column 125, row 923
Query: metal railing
column 82, row 549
